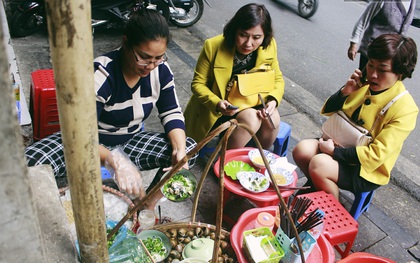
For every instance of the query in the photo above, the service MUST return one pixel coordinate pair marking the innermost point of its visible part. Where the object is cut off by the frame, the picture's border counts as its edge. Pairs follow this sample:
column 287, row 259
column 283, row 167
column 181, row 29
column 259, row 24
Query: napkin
column 284, row 163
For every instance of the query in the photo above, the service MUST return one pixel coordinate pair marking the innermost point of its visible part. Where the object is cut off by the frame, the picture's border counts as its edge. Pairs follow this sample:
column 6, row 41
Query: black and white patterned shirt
column 121, row 110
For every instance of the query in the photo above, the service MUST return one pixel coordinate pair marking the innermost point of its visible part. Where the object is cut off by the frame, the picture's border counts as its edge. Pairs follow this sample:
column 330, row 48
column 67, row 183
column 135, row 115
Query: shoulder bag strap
column 387, row 106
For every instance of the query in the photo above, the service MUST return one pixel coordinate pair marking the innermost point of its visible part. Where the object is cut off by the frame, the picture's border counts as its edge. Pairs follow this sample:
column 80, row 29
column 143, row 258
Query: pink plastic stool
column 365, row 258
column 339, row 226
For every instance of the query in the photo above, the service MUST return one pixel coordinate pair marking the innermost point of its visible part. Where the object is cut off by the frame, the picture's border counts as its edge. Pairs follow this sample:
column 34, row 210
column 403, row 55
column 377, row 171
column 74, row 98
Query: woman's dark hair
column 248, row 16
column 401, row 50
column 144, row 25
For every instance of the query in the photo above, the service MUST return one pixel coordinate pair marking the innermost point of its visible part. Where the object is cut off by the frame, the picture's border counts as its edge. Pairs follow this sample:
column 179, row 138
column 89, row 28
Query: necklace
column 244, row 61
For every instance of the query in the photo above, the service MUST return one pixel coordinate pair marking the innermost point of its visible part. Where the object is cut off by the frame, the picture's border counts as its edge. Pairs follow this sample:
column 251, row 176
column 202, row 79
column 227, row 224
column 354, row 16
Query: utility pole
column 70, row 37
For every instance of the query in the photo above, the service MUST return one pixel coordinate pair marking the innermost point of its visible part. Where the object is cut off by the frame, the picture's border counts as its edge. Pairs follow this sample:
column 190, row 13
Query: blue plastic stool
column 105, row 173
column 281, row 143
column 206, row 149
column 361, row 203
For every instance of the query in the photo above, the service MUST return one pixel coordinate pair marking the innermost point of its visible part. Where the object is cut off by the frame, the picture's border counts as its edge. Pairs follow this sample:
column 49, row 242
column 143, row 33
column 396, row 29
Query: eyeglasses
column 145, row 63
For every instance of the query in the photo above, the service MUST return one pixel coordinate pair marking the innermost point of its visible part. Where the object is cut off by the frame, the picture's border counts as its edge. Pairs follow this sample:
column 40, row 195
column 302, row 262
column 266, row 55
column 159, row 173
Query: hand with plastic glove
column 125, row 173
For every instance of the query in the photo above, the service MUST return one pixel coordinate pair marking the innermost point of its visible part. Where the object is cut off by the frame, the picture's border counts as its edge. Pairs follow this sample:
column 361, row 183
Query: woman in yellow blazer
column 247, row 42
column 392, row 58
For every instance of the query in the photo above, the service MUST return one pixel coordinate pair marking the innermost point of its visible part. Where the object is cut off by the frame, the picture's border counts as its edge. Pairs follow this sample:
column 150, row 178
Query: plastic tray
column 267, row 198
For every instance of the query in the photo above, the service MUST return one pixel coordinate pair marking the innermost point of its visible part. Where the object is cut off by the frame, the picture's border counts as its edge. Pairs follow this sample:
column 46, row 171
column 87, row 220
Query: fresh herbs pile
column 178, row 188
column 155, row 247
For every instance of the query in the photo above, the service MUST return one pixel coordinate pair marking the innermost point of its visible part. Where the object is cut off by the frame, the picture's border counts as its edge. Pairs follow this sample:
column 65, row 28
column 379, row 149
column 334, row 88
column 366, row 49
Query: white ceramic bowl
column 253, row 181
column 256, row 158
column 282, row 176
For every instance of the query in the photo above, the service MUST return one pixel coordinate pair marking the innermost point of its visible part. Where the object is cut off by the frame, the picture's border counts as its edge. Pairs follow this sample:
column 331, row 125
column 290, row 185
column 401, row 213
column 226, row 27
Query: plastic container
column 265, row 219
column 308, row 243
column 268, row 244
column 147, row 219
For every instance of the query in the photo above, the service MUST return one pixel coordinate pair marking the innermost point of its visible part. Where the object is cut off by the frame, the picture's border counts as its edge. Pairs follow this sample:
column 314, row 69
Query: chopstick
column 292, row 187
column 283, row 188
column 265, row 110
column 160, row 214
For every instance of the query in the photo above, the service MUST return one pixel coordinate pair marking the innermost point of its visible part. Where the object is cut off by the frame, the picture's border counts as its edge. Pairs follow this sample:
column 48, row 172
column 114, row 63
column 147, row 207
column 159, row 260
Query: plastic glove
column 125, row 173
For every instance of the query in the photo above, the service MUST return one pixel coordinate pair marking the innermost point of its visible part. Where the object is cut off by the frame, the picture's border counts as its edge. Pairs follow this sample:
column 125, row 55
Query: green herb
column 257, row 183
column 263, row 182
column 178, row 188
column 155, row 247
column 111, row 240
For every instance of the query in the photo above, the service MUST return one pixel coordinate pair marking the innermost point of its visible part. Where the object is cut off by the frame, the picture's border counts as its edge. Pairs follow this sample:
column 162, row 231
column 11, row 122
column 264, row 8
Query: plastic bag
column 116, row 208
column 125, row 173
column 126, row 247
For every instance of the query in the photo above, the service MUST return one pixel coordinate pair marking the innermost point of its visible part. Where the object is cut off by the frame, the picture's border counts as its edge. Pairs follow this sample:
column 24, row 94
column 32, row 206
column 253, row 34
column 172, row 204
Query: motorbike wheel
column 162, row 8
column 193, row 15
column 25, row 23
column 307, row 8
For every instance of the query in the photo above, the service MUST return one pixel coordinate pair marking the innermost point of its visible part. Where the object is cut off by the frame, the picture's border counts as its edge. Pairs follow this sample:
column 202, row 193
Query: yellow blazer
column 378, row 159
column 211, row 75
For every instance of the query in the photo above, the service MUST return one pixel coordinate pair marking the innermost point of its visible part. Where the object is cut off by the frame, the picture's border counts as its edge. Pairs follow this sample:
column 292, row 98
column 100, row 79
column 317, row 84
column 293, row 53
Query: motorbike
column 30, row 16
column 307, row 8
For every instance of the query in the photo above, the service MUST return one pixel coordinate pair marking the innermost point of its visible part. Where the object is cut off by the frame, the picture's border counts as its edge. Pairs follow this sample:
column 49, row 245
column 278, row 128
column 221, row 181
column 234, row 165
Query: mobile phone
column 363, row 79
column 231, row 107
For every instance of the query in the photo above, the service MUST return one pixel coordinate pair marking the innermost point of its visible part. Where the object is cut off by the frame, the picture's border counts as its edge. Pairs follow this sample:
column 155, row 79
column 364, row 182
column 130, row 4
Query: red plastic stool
column 365, row 258
column 43, row 104
column 339, row 226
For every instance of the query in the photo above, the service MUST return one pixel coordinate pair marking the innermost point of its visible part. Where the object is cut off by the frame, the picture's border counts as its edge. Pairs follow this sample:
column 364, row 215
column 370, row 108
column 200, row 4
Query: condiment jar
column 265, row 219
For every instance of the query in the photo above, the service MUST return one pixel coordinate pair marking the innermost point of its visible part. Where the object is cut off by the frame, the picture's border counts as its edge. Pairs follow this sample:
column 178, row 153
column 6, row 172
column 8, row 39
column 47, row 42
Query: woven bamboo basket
column 222, row 251
column 181, row 233
column 69, row 209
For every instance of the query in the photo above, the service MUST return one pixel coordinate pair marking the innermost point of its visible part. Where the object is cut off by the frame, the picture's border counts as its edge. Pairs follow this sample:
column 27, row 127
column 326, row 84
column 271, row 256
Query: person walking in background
column 247, row 42
column 392, row 58
column 380, row 17
column 129, row 82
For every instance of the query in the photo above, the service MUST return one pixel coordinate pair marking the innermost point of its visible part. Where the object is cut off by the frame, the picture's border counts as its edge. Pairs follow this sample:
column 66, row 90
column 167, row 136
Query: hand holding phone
column 231, row 107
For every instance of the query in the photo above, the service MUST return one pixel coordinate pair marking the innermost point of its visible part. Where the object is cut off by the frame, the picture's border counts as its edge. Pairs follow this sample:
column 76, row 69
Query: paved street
column 391, row 228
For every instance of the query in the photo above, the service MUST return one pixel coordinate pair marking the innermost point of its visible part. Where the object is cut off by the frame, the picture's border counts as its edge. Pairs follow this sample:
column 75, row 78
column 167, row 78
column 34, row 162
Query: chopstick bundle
column 297, row 209
column 314, row 219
